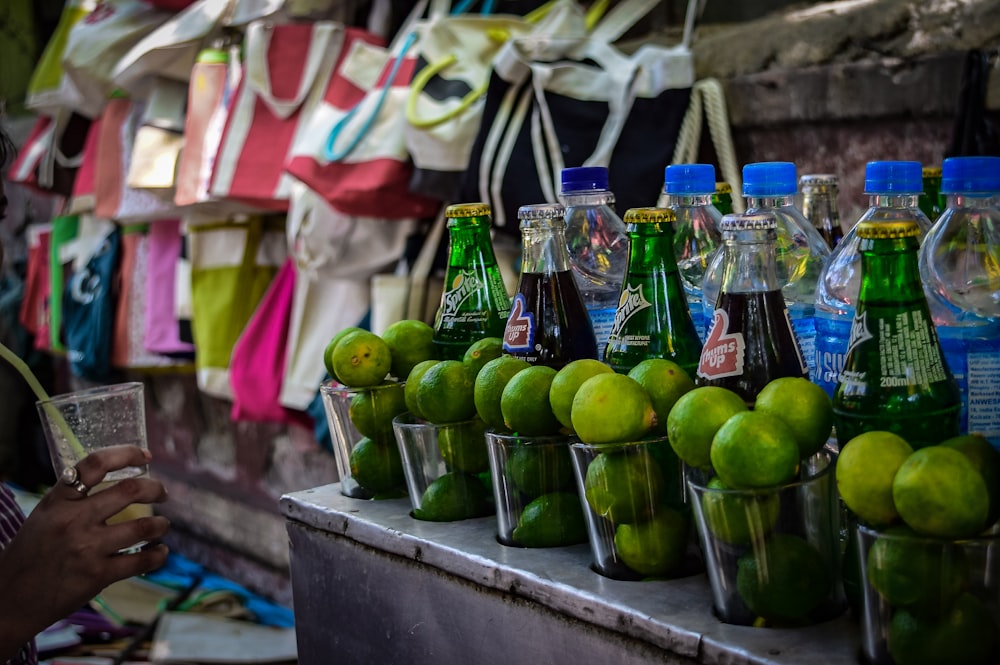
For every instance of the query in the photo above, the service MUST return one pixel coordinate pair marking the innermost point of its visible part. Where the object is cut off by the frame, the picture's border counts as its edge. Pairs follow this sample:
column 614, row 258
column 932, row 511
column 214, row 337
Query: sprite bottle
column 653, row 319
column 932, row 201
column 895, row 377
column 474, row 303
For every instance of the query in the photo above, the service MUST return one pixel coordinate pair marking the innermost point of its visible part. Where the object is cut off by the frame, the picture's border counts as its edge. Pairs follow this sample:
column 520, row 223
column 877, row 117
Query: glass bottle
column 474, row 303
column 652, row 320
column 722, row 199
column 751, row 341
column 895, row 377
column 548, row 323
column 960, row 268
column 819, row 205
column 932, row 200
column 687, row 190
column 597, row 244
column 893, row 189
column 800, row 250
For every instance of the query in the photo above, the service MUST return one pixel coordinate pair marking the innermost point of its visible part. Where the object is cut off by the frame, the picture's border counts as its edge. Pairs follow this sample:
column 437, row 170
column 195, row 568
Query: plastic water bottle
column 800, row 250
column 961, row 276
column 893, row 190
column 688, row 190
column 597, row 244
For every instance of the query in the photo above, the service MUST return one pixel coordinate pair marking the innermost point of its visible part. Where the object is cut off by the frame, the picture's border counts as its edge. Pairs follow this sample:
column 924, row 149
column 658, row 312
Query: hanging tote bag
column 232, row 264
column 335, row 256
column 160, row 325
column 52, row 153
column 158, row 140
column 82, row 198
column 61, row 253
column 49, row 89
column 444, row 107
column 89, row 301
column 283, row 66
column 32, row 313
column 353, row 148
column 578, row 101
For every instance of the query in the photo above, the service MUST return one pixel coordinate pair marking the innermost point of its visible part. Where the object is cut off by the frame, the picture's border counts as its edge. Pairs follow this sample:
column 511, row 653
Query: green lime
column 986, row 459
column 361, row 359
column 444, row 393
column 377, row 465
column 920, row 574
column 463, row 446
column 490, row 382
column 666, row 382
column 567, row 381
column 412, row 381
column 523, row 404
column 654, row 548
column 624, row 486
column 738, row 517
column 331, row 345
column 803, row 406
column 410, row 343
column 783, row 581
column 754, row 450
column 966, row 634
column 372, row 409
column 454, row 496
column 612, row 408
column 696, row 417
column 939, row 492
column 481, row 352
column 540, row 469
column 551, row 520
column 866, row 467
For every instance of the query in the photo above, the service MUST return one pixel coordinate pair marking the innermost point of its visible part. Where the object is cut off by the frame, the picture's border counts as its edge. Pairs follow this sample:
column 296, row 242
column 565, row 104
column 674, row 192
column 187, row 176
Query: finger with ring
column 71, row 476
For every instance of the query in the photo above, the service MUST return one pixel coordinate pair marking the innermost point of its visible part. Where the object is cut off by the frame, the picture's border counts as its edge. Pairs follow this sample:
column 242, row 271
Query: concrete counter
column 373, row 585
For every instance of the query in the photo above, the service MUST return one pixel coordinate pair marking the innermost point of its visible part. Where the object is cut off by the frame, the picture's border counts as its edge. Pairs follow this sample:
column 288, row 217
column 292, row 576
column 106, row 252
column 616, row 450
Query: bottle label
column 603, row 320
column 722, row 354
column 631, row 302
column 463, row 286
column 832, row 335
column 908, row 350
column 984, row 395
column 519, row 335
column 804, row 333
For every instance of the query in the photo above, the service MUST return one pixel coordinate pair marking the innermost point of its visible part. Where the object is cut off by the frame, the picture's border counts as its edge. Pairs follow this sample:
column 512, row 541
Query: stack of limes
column 362, row 362
column 923, row 504
column 441, row 393
column 744, row 459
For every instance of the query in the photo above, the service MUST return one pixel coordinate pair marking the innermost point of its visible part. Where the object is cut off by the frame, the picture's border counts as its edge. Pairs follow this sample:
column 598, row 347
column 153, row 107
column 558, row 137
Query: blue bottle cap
column 894, row 178
column 584, row 179
column 970, row 175
column 769, row 179
column 689, row 179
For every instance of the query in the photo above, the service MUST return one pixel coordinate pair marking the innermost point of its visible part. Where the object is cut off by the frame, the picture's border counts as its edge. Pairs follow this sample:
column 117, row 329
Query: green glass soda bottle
column 652, row 319
column 931, row 201
column 895, row 377
column 474, row 303
column 722, row 199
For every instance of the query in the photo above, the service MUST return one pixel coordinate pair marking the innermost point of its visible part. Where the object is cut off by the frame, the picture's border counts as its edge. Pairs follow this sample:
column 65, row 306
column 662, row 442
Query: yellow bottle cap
column 906, row 228
column 459, row 210
column 649, row 216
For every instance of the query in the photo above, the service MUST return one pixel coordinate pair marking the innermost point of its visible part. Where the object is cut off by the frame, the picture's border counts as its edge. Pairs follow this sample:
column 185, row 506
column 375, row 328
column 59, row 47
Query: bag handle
column 258, row 42
column 416, row 298
column 708, row 95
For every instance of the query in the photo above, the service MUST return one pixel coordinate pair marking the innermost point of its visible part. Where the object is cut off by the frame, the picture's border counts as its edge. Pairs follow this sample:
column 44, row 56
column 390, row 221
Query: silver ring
column 71, row 476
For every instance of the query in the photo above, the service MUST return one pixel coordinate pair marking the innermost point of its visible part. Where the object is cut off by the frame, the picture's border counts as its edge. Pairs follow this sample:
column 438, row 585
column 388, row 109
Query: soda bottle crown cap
column 970, row 175
column 723, row 187
column 459, row 210
column 819, row 180
column 769, row 179
column 761, row 221
column 584, row 179
column 553, row 211
column 893, row 178
column 931, row 171
column 906, row 228
column 689, row 179
column 649, row 216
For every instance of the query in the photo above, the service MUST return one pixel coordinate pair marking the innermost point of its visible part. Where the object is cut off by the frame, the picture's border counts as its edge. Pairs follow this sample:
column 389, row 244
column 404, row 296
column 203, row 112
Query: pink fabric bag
column 258, row 361
column 162, row 330
column 82, row 199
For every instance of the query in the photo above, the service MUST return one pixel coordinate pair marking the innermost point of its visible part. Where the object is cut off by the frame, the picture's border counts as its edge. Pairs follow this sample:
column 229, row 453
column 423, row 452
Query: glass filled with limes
column 928, row 600
column 633, row 503
column 536, row 499
column 364, row 446
column 772, row 553
column 446, row 468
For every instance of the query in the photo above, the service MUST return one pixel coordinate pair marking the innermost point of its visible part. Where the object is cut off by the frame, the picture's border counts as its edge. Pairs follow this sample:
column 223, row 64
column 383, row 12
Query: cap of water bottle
column 894, row 178
column 970, row 175
column 769, row 179
column 584, row 179
column 689, row 179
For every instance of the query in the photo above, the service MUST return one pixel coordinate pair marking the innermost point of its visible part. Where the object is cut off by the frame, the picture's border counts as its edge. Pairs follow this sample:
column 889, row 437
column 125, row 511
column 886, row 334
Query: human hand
column 65, row 554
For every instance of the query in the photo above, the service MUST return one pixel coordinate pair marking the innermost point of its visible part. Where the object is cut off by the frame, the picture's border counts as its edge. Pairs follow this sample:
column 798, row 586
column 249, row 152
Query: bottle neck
column 749, row 263
column 764, row 202
column 543, row 249
column 599, row 197
column 881, row 200
column 973, row 200
column 890, row 271
column 672, row 200
column 469, row 242
column 651, row 249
